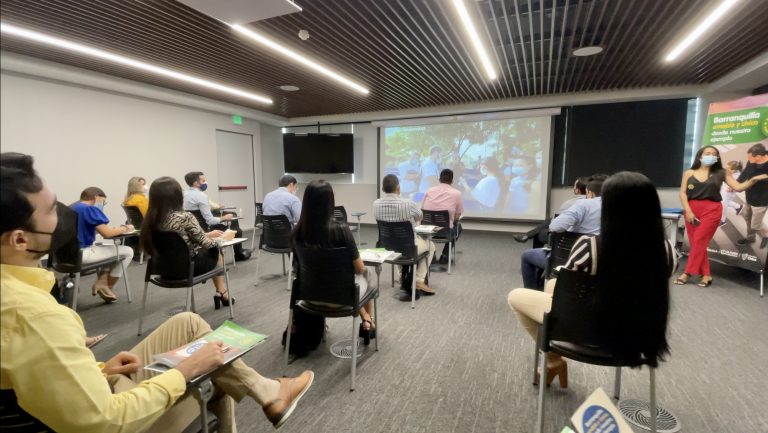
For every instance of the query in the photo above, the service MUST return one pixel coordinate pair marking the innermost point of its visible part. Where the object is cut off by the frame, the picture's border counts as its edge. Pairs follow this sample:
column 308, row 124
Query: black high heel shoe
column 367, row 334
column 219, row 300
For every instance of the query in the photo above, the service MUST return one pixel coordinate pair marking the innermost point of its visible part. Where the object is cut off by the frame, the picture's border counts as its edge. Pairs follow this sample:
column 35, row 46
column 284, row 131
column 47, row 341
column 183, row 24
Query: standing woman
column 701, row 199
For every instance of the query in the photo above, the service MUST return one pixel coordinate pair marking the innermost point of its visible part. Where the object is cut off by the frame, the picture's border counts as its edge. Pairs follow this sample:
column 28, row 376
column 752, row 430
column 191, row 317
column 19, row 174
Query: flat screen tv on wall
column 318, row 153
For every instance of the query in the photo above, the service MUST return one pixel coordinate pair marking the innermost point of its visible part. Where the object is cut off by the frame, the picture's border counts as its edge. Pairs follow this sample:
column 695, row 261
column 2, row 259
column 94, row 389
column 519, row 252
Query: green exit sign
column 237, row 120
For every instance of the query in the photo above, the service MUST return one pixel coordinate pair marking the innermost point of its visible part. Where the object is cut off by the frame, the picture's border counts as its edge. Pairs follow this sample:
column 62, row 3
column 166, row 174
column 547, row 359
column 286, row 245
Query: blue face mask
column 203, row 186
column 708, row 160
column 99, row 205
column 518, row 170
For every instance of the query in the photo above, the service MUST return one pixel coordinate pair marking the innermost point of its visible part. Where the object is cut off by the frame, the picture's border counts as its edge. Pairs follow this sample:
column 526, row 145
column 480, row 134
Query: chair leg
column 141, row 258
column 617, row 384
column 540, row 414
column 192, row 295
column 450, row 256
column 125, row 281
column 413, row 286
column 376, row 316
column 76, row 292
column 393, row 277
column 290, row 270
column 231, row 296
column 355, row 325
column 233, row 256
column 143, row 306
column 536, row 362
column 258, row 264
column 288, row 339
column 653, row 399
column 189, row 299
column 282, row 256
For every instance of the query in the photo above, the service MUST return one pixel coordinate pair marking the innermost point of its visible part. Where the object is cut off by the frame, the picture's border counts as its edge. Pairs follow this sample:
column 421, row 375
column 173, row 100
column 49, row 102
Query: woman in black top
column 317, row 228
column 700, row 197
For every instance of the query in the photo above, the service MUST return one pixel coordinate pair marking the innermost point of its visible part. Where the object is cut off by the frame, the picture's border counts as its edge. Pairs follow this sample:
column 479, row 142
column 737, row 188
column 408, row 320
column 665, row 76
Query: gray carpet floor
column 460, row 362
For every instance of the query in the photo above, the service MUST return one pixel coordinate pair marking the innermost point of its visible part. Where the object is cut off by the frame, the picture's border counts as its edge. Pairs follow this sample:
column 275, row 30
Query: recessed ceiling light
column 10, row 29
column 474, row 37
column 587, row 51
column 700, row 29
column 289, row 88
column 263, row 40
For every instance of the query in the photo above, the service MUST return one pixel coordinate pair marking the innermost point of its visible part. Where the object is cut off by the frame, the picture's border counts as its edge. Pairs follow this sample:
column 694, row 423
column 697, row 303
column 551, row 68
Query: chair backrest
column 325, row 275
column 68, row 258
column 259, row 213
column 397, row 236
column 440, row 218
column 173, row 259
column 575, row 313
column 277, row 231
column 561, row 244
column 340, row 214
column 135, row 218
column 200, row 220
column 17, row 419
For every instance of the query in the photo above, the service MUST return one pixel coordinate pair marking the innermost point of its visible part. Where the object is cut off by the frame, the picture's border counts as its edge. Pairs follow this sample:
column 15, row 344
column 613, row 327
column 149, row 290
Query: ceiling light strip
column 700, row 29
column 474, row 37
column 274, row 46
column 13, row 30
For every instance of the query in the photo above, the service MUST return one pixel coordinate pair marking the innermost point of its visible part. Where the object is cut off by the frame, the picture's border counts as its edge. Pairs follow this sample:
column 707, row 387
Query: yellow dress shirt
column 140, row 201
column 56, row 379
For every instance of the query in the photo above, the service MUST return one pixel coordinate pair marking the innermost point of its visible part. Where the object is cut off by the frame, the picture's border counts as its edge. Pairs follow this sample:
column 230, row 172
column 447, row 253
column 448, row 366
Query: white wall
column 84, row 137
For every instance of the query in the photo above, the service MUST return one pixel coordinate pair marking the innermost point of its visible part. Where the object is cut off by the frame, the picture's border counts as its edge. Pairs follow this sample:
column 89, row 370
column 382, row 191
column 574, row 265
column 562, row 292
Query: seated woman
column 166, row 213
column 90, row 220
column 635, row 263
column 137, row 195
column 317, row 228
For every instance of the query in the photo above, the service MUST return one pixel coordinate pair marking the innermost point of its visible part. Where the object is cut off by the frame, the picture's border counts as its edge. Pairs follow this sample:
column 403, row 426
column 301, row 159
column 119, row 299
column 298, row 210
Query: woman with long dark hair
column 166, row 213
column 633, row 311
column 701, row 199
column 317, row 228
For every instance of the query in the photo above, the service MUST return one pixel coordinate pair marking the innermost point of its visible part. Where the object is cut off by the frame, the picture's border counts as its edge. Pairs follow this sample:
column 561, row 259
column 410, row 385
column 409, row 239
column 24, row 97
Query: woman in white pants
column 91, row 219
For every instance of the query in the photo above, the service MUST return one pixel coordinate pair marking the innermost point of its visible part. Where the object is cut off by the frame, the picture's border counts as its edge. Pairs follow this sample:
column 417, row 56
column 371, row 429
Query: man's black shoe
column 404, row 296
column 745, row 241
column 443, row 260
column 522, row 238
column 243, row 256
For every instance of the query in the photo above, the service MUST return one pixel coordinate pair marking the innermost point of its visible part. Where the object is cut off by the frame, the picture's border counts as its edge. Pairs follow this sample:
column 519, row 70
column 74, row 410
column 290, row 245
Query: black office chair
column 276, row 239
column 69, row 258
column 328, row 275
column 399, row 237
column 560, row 245
column 442, row 218
column 173, row 267
column 258, row 224
column 200, row 220
column 136, row 219
column 571, row 329
column 340, row 215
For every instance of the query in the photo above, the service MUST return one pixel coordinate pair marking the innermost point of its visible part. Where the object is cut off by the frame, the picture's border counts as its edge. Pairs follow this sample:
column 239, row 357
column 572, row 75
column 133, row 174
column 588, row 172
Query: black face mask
column 65, row 231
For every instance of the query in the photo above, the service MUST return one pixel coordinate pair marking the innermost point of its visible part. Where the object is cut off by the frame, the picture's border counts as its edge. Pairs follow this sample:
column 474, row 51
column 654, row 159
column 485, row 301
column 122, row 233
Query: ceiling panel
column 410, row 54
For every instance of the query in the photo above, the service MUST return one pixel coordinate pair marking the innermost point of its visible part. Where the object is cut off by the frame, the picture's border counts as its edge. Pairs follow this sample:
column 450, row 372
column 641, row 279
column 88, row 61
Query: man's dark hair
column 17, row 179
column 581, row 184
column 757, row 150
column 446, row 176
column 389, row 184
column 192, row 177
column 91, row 193
column 596, row 185
column 286, row 180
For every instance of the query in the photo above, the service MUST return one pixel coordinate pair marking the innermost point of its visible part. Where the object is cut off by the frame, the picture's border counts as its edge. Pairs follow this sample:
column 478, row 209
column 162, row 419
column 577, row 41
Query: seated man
column 91, row 220
column 540, row 232
column 283, row 200
column 195, row 199
column 52, row 381
column 445, row 197
column 393, row 208
column 583, row 217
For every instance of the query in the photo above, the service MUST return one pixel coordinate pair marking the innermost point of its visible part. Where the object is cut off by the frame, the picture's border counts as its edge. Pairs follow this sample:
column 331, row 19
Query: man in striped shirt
column 393, row 208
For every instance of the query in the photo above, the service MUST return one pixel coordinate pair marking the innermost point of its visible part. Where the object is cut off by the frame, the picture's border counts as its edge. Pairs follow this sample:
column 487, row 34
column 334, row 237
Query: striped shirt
column 393, row 208
column 583, row 256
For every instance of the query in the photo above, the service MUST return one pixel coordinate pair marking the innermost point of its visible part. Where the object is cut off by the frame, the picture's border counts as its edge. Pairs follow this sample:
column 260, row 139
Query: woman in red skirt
column 700, row 196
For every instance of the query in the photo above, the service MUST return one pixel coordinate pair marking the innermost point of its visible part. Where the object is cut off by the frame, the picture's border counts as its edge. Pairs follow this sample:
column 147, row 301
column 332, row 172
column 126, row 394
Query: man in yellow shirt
column 49, row 380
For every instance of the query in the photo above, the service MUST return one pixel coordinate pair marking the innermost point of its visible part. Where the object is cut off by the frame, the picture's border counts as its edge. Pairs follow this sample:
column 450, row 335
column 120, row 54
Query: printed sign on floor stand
column 736, row 128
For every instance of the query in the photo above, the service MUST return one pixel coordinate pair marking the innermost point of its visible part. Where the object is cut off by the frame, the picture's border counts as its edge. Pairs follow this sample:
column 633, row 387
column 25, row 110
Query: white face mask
column 484, row 171
column 145, row 190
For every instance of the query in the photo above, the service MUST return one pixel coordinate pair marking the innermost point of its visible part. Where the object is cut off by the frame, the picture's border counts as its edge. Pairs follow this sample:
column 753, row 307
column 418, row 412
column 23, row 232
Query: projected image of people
column 497, row 164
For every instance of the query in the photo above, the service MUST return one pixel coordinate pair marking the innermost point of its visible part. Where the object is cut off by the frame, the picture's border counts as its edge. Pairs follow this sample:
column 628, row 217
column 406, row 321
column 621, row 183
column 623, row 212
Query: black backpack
column 306, row 333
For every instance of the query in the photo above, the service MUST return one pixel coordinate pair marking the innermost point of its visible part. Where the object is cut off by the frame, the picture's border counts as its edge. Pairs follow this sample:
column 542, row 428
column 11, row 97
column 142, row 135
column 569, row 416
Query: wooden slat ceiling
column 410, row 54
